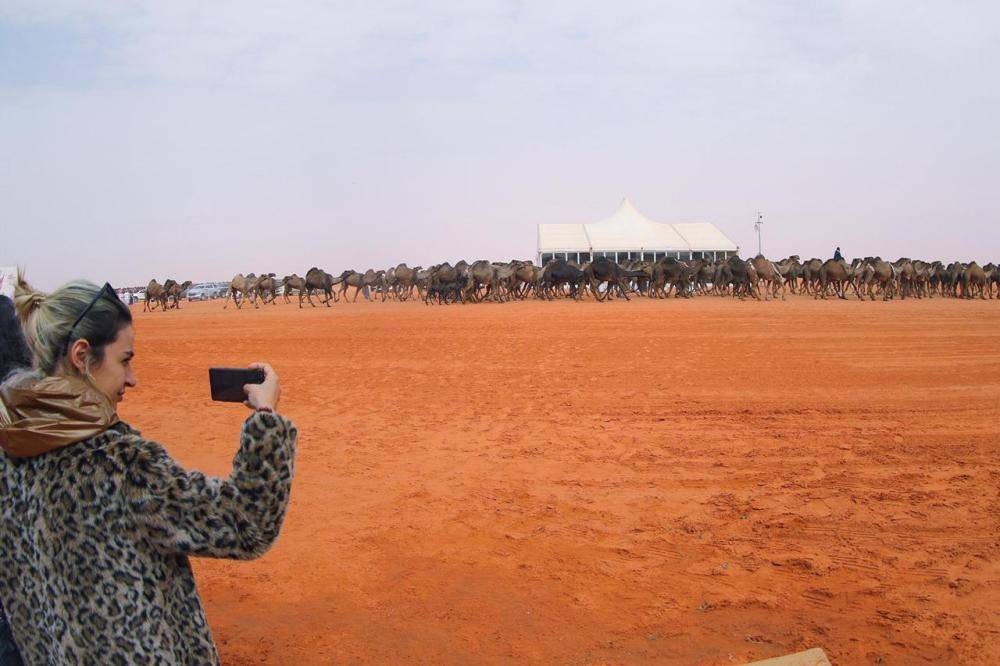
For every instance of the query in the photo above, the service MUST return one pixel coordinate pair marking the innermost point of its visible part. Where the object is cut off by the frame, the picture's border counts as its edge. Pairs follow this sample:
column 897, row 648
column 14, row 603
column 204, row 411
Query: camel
column 905, row 276
column 505, row 280
column 668, row 274
column 790, row 269
column 877, row 273
column 939, row 279
column 172, row 289
column 952, row 278
column 810, row 275
column 390, row 283
column 837, row 274
column 558, row 273
column 444, row 284
column 154, row 294
column 527, row 277
column 267, row 286
column 373, row 280
column 704, row 276
column 482, row 274
column 244, row 286
column 404, row 280
column 462, row 270
column 317, row 278
column 766, row 270
column 742, row 275
column 603, row 270
column 291, row 283
column 422, row 281
column 992, row 272
column 354, row 279
column 721, row 277
column 973, row 279
column 922, row 272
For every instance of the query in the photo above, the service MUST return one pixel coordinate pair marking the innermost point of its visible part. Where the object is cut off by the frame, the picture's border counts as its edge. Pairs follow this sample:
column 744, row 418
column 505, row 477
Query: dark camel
column 173, row 290
column 317, row 278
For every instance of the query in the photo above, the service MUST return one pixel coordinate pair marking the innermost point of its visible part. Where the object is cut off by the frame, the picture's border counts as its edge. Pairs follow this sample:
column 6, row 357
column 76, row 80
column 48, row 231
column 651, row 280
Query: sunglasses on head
column 106, row 290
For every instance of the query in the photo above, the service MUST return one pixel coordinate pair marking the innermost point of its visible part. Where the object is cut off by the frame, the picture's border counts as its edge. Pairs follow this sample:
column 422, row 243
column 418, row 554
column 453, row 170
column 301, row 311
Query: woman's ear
column 78, row 354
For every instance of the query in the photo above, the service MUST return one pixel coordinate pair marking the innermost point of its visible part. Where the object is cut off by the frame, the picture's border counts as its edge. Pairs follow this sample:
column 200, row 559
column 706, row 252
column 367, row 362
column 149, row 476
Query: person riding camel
column 837, row 256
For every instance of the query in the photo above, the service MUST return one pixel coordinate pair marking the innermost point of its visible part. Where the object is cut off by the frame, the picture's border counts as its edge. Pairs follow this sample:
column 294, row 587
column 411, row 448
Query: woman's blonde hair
column 48, row 321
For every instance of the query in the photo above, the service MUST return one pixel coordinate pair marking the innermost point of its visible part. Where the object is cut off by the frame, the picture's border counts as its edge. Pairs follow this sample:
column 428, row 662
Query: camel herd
column 604, row 279
column 161, row 294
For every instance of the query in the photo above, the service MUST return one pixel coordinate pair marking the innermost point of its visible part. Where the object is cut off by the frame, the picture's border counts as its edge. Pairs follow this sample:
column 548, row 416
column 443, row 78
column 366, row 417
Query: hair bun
column 27, row 299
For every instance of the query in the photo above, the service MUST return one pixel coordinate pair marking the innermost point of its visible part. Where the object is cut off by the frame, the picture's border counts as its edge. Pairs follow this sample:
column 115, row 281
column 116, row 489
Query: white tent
column 628, row 234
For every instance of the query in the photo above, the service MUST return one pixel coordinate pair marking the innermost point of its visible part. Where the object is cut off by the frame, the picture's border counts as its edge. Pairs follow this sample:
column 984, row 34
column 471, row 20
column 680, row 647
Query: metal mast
column 757, row 225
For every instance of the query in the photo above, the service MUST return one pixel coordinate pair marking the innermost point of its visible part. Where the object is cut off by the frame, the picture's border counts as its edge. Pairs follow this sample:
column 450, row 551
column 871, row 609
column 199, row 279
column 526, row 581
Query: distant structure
column 628, row 234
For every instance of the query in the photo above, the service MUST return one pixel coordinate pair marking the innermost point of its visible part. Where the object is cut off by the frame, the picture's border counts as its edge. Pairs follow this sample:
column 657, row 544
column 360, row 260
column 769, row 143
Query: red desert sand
column 699, row 481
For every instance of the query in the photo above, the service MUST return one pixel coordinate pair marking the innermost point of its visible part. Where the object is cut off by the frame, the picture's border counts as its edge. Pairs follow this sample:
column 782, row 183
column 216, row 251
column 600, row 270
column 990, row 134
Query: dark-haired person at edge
column 14, row 355
column 97, row 523
column 837, row 256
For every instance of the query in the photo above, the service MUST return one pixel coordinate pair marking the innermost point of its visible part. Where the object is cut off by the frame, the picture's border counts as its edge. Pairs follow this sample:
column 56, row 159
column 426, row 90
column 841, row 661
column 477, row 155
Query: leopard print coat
column 96, row 537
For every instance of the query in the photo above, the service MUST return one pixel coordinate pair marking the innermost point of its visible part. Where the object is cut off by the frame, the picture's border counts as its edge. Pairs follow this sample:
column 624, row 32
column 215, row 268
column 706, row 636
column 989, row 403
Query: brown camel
column 992, row 272
column 905, row 276
column 837, row 274
column 791, row 271
column 483, row 274
column 244, row 287
column 390, row 283
column 768, row 272
column 351, row 278
column 527, row 277
column 291, row 283
column 155, row 294
column 173, row 290
column 373, row 280
column 405, row 278
column 445, row 285
column 974, row 280
column 810, row 275
column 876, row 273
column 267, row 288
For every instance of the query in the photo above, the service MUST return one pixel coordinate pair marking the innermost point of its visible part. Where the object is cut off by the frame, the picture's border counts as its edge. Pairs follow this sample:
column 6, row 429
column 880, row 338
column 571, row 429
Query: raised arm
column 187, row 512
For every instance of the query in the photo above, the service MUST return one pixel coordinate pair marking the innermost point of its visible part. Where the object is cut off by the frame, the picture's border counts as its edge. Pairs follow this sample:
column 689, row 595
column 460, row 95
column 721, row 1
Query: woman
column 96, row 522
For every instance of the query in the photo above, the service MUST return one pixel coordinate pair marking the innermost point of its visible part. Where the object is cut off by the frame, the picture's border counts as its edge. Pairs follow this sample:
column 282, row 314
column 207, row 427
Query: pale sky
column 196, row 140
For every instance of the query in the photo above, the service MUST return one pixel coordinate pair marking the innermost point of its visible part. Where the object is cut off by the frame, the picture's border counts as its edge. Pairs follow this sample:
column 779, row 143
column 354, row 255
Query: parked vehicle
column 200, row 292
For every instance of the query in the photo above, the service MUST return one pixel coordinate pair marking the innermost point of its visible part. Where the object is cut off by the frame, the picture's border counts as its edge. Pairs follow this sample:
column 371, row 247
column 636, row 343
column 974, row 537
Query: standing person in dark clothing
column 14, row 355
column 837, row 256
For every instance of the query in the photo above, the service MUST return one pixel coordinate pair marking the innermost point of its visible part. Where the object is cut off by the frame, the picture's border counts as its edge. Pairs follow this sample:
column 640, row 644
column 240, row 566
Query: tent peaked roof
column 629, row 230
column 626, row 215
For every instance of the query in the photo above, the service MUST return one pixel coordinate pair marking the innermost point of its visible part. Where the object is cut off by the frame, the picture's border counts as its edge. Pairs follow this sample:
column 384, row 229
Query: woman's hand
column 266, row 394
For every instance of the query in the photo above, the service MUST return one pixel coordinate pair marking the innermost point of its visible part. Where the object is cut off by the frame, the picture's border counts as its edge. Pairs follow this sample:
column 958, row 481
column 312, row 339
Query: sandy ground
column 696, row 482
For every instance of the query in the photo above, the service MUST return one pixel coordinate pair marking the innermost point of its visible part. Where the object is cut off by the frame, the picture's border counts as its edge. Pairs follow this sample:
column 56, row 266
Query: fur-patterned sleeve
column 240, row 517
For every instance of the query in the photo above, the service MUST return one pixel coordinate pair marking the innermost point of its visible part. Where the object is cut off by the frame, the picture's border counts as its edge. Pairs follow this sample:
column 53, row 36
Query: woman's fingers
column 267, row 393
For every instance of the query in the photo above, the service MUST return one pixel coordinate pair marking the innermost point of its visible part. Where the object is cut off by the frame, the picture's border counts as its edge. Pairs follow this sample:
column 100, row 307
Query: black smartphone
column 227, row 383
